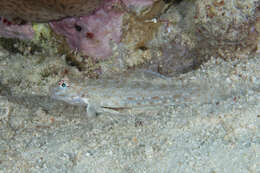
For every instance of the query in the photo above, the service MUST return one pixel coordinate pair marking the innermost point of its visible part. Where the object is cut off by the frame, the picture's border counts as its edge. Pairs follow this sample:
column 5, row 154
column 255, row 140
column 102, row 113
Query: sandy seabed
column 216, row 130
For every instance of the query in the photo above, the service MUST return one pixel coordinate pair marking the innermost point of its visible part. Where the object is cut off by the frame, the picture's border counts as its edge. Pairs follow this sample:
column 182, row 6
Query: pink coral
column 94, row 34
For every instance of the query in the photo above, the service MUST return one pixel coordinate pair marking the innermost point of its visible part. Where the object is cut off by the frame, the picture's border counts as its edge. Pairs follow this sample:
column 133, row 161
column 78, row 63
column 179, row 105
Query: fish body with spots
column 100, row 96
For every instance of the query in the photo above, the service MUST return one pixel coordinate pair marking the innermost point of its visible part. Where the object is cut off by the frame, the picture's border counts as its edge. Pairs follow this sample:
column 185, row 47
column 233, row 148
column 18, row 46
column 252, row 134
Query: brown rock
column 45, row 10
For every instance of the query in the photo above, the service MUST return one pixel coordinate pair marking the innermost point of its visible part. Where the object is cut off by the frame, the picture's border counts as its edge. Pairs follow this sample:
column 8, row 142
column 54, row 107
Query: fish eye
column 63, row 84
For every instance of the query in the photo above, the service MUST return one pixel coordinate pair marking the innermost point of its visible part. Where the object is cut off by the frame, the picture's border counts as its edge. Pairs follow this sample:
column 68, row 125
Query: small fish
column 17, row 11
column 115, row 96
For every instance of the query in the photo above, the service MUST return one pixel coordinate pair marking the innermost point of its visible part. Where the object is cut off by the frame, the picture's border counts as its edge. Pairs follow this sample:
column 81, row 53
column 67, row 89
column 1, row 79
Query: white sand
column 217, row 131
